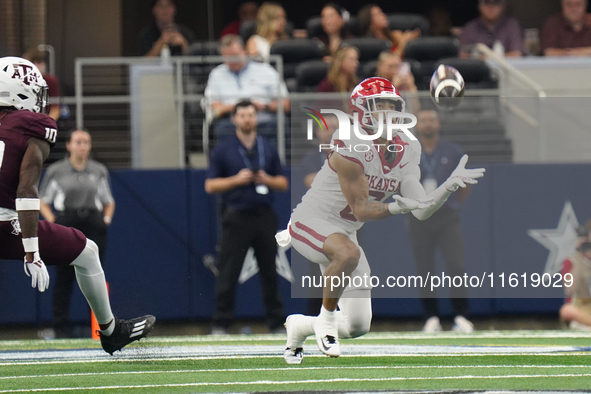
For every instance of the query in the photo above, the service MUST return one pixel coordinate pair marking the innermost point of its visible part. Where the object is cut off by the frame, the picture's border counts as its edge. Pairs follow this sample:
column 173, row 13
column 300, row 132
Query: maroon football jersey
column 16, row 127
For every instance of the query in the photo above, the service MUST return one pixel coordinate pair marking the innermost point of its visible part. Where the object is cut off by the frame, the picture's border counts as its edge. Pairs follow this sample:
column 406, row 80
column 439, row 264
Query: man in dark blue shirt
column 246, row 169
column 439, row 158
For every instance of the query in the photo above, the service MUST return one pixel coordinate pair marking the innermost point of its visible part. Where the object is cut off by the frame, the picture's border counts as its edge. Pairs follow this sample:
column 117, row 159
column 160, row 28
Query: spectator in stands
column 78, row 188
column 579, row 309
column 342, row 73
column 246, row 12
column 439, row 158
column 494, row 29
column 569, row 33
column 37, row 57
column 374, row 23
column 164, row 32
column 391, row 67
column 270, row 29
column 246, row 169
column 238, row 78
column 334, row 29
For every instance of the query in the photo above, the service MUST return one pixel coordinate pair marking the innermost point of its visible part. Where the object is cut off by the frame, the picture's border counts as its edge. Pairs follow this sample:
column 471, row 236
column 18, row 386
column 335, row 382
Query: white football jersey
column 325, row 198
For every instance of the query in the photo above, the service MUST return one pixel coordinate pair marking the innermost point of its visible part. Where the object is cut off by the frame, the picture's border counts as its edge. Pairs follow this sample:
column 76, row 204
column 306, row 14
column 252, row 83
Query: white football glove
column 461, row 176
column 38, row 273
column 405, row 205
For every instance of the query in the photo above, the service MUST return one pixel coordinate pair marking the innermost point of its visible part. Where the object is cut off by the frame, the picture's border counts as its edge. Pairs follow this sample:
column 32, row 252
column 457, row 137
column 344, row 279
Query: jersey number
column 50, row 134
column 1, row 153
column 347, row 213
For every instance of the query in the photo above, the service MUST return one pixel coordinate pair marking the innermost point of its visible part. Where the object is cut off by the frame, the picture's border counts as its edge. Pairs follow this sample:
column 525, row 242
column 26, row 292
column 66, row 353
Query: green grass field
column 487, row 360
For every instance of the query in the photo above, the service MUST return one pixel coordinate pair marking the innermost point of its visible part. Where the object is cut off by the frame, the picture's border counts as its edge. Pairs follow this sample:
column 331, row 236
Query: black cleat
column 127, row 331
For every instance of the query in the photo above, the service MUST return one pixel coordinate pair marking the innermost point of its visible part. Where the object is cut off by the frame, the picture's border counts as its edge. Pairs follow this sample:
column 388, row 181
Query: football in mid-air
column 447, row 87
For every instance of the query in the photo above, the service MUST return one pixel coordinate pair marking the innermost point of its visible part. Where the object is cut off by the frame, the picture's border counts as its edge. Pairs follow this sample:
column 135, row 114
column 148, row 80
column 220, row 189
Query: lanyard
column 261, row 150
column 429, row 163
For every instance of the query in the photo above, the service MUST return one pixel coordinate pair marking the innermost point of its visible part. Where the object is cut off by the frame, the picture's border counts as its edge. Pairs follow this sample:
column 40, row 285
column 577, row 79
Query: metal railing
column 509, row 92
column 117, row 77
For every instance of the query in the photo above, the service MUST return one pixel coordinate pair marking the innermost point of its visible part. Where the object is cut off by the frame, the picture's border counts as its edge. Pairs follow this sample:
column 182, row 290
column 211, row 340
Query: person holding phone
column 245, row 169
column 391, row 67
column 164, row 32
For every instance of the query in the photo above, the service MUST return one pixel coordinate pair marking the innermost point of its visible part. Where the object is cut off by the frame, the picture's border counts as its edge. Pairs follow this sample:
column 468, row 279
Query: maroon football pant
column 58, row 245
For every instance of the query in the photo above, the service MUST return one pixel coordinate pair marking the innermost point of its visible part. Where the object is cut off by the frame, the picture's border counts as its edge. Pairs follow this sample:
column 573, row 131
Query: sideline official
column 78, row 189
column 246, row 169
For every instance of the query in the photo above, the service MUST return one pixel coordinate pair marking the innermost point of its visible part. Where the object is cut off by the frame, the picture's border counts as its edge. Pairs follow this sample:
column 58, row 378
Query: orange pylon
column 94, row 326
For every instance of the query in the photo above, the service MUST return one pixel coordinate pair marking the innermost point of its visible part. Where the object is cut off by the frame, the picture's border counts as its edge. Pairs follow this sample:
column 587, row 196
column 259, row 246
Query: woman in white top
column 270, row 29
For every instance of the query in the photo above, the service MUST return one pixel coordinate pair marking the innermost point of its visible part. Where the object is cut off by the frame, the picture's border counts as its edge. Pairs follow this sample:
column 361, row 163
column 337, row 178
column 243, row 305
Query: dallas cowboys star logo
column 559, row 241
column 250, row 266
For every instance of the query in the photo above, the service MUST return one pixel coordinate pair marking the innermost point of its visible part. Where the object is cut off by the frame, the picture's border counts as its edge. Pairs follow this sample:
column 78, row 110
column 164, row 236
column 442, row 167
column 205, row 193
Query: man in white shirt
column 238, row 78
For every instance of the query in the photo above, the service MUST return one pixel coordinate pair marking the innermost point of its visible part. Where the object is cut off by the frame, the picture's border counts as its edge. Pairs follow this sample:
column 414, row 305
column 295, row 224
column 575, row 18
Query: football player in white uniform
column 350, row 189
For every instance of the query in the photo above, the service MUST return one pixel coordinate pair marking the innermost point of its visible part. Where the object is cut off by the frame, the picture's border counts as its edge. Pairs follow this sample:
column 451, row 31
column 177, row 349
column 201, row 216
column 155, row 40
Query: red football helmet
column 365, row 97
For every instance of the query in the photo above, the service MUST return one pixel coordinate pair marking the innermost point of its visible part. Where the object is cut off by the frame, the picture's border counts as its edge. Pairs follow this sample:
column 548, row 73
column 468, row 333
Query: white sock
column 91, row 279
column 326, row 315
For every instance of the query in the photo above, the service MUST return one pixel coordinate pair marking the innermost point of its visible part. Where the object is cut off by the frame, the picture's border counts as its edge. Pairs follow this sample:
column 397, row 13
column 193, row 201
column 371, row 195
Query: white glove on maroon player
column 38, row 273
column 462, row 176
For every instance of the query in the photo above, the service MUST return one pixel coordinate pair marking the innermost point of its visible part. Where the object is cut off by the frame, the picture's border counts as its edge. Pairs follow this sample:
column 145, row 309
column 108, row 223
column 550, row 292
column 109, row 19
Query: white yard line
column 273, row 382
column 370, row 336
column 91, row 360
column 291, row 369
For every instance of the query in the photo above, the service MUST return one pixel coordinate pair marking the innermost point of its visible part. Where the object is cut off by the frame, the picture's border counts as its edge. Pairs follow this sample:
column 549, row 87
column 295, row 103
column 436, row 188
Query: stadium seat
column 248, row 28
column 408, row 21
column 204, row 48
column 314, row 26
column 367, row 69
column 294, row 52
column 309, row 74
column 431, row 48
column 369, row 47
column 476, row 72
column 427, row 51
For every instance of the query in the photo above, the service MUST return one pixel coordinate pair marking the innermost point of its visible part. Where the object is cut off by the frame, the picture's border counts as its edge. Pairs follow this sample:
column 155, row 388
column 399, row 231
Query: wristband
column 107, row 219
column 31, row 244
column 27, row 204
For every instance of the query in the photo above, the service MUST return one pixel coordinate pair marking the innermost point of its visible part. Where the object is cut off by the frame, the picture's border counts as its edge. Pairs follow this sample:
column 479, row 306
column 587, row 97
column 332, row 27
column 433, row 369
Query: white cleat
column 432, row 325
column 461, row 324
column 329, row 345
column 575, row 325
column 293, row 356
column 327, row 339
column 294, row 348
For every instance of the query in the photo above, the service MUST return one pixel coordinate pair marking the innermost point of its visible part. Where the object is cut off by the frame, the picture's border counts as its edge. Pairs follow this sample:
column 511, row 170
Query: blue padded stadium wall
column 165, row 223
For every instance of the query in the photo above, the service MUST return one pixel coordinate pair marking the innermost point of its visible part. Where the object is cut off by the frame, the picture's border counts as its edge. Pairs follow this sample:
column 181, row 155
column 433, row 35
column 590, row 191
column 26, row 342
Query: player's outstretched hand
column 37, row 270
column 405, row 205
column 462, row 176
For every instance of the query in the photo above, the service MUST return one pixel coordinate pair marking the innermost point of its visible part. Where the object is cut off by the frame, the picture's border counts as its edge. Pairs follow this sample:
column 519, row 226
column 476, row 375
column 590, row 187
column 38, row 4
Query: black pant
column 94, row 228
column 441, row 230
column 240, row 231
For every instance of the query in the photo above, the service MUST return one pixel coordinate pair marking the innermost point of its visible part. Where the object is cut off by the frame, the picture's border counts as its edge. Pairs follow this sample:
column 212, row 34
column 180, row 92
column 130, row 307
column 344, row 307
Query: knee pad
column 88, row 262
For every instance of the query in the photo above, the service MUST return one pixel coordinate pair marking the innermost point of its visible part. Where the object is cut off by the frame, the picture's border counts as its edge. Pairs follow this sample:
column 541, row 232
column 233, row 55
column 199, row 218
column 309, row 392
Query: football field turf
column 486, row 360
